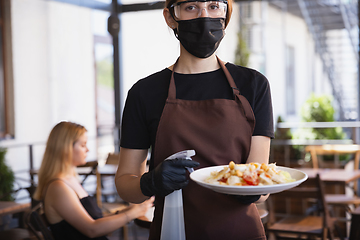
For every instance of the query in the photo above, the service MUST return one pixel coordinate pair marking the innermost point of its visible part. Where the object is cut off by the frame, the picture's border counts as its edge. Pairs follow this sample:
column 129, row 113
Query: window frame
column 7, row 121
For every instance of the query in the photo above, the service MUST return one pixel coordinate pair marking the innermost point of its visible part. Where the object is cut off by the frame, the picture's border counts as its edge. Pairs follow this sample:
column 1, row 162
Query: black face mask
column 201, row 36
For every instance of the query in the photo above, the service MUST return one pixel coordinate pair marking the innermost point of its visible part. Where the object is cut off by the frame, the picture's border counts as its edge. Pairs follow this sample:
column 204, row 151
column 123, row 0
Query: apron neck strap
column 231, row 81
column 172, row 88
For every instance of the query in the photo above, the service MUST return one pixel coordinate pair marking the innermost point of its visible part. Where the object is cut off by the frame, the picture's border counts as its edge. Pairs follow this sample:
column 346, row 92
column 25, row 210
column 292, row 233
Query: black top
column 63, row 230
column 146, row 100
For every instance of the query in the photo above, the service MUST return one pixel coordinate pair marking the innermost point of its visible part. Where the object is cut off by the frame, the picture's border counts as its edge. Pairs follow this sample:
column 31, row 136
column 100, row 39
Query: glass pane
column 105, row 109
column 290, row 81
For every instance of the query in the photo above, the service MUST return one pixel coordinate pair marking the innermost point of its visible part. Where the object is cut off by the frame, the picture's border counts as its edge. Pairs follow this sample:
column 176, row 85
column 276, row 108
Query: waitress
column 198, row 103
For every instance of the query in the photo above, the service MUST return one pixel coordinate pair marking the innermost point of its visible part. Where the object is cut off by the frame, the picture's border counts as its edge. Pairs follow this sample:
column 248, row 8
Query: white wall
column 148, row 46
column 287, row 29
column 53, row 75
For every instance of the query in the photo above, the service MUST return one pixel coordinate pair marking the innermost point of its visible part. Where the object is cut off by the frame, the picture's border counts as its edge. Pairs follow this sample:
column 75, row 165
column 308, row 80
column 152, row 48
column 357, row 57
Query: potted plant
column 242, row 53
column 319, row 108
column 7, row 178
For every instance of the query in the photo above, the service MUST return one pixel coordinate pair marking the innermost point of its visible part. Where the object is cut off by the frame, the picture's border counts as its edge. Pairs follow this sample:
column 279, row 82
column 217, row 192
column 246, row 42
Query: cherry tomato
column 251, row 178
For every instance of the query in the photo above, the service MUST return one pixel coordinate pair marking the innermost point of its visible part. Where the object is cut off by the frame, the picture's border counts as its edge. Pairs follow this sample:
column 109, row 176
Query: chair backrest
column 334, row 149
column 113, row 159
column 305, row 199
column 36, row 221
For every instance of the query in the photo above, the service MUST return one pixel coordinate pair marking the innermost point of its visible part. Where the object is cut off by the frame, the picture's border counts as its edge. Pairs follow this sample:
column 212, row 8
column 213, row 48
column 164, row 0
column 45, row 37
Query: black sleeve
column 262, row 107
column 134, row 132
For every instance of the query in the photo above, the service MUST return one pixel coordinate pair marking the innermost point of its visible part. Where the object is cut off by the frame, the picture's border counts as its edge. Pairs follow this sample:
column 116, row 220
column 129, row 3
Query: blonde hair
column 58, row 154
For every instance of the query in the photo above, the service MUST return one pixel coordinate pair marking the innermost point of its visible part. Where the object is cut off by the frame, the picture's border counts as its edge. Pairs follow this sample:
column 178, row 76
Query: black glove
column 168, row 176
column 247, row 199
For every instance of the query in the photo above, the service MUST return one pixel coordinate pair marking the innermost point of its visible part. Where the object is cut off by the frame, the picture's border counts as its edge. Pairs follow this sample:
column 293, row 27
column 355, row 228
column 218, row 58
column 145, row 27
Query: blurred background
column 75, row 60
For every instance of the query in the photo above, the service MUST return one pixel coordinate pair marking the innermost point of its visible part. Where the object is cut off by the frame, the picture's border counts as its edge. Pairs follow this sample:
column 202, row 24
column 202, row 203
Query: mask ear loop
column 174, row 29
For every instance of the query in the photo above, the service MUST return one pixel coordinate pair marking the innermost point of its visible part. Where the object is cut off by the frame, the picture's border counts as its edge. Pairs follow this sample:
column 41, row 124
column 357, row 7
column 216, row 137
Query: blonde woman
column 71, row 212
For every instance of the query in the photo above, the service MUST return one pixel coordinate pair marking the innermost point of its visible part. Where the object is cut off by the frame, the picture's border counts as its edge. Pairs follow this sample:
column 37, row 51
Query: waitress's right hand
column 168, row 176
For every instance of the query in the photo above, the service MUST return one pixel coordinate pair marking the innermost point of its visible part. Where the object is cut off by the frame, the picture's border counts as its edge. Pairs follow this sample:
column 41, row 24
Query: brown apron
column 220, row 131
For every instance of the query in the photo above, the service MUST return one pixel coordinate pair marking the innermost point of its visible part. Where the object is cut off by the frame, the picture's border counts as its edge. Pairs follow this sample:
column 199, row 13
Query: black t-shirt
column 146, row 100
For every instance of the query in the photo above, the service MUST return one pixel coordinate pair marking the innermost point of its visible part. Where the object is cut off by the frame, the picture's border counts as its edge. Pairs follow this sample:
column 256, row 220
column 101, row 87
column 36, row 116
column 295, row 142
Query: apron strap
column 230, row 79
column 172, row 88
column 243, row 102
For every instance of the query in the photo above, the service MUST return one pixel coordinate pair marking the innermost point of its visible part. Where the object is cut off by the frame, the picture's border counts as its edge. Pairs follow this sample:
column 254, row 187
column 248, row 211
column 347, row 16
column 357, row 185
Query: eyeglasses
column 191, row 9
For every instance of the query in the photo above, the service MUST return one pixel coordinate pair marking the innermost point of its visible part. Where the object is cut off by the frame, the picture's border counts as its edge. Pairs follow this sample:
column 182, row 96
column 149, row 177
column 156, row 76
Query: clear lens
column 193, row 9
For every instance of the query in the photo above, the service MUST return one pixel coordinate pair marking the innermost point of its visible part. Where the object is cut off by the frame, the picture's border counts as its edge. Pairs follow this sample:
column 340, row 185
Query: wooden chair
column 91, row 168
column 333, row 149
column 36, row 221
column 108, row 191
column 104, row 192
column 109, row 208
column 348, row 201
column 88, row 169
column 296, row 222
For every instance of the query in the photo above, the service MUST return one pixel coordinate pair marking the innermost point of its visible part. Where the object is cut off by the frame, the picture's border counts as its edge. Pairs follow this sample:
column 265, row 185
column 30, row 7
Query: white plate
column 201, row 174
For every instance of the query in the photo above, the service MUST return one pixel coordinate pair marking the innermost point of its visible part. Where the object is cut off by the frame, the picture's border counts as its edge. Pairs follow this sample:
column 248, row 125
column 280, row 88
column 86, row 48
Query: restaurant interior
column 75, row 60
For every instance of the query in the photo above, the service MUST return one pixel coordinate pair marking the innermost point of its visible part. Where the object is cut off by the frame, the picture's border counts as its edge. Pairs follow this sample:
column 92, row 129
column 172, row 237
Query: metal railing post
column 31, row 158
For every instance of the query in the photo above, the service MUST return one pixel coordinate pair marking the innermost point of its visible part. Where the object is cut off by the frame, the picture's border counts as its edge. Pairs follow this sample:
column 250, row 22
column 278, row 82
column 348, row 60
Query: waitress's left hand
column 247, row 199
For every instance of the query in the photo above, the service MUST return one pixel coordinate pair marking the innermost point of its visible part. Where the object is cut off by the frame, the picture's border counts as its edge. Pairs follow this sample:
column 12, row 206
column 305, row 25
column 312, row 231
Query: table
column 332, row 175
column 8, row 207
column 336, row 180
column 107, row 170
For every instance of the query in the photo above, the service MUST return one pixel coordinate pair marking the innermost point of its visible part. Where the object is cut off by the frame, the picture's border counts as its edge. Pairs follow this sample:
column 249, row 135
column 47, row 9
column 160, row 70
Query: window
column 6, row 83
column 246, row 10
column 290, row 80
column 247, row 23
column 2, row 82
column 105, row 99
